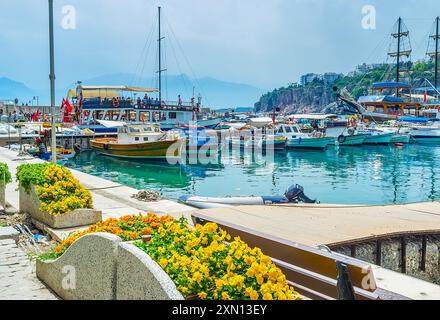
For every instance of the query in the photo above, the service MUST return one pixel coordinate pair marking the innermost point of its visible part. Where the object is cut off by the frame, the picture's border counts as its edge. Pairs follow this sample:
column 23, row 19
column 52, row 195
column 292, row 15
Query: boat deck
column 332, row 225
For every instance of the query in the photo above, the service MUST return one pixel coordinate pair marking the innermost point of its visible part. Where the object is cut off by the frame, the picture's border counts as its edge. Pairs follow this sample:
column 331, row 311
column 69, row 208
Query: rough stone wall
column 391, row 256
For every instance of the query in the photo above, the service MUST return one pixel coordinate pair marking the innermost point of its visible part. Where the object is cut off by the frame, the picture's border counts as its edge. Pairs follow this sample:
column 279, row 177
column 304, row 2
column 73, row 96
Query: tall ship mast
column 402, row 49
column 434, row 55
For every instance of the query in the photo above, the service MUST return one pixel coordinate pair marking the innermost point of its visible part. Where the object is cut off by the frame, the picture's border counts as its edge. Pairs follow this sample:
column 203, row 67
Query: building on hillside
column 308, row 78
column 331, row 77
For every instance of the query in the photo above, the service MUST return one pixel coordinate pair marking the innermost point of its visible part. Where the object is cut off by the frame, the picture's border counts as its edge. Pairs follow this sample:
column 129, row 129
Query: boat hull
column 309, row 143
column 352, row 141
column 160, row 150
column 379, row 139
column 425, row 139
column 401, row 138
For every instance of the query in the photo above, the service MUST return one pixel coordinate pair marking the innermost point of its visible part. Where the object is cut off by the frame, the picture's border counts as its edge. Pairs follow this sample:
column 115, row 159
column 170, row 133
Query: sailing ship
column 119, row 103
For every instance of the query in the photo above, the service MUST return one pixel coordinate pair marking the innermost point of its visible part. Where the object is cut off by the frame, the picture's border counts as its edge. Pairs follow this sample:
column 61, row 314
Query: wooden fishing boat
column 141, row 142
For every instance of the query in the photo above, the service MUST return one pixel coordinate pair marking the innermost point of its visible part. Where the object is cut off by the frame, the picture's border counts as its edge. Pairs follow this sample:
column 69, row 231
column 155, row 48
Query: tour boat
column 140, row 142
column 376, row 137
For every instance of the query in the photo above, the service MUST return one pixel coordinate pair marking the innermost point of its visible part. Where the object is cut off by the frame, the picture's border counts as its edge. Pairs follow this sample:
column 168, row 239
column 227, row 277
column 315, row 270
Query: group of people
column 121, row 102
column 15, row 116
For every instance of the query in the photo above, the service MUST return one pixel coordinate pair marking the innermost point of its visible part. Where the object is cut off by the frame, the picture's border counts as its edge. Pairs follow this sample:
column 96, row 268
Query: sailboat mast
column 398, row 49
column 160, row 60
column 436, row 52
column 52, row 82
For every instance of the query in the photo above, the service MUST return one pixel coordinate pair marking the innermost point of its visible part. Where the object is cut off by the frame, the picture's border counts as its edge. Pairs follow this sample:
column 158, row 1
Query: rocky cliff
column 317, row 95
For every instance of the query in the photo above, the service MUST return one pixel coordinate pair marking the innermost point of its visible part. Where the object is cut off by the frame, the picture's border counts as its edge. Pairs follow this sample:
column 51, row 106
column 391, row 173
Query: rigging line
column 380, row 44
column 187, row 61
column 142, row 54
column 146, row 56
column 179, row 67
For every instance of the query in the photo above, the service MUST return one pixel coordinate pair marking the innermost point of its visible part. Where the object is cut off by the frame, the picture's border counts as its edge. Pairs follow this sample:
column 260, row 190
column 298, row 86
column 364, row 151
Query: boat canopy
column 382, row 98
column 90, row 92
column 417, row 119
column 111, row 124
column 314, row 116
column 390, row 85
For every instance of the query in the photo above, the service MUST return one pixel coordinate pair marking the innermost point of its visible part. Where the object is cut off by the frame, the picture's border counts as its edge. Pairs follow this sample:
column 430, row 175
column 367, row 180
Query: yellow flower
column 225, row 296
column 202, row 295
column 163, row 263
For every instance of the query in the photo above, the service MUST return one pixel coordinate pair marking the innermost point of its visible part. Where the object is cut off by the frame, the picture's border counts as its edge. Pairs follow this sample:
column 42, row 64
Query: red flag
column 36, row 116
column 68, row 106
column 425, row 97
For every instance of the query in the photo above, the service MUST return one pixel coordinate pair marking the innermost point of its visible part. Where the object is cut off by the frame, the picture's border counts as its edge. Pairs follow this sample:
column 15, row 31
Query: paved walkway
column 17, row 277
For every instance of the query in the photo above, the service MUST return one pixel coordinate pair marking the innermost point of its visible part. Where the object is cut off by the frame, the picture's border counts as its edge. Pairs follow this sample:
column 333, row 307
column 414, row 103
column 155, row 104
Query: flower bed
column 52, row 195
column 200, row 262
column 5, row 178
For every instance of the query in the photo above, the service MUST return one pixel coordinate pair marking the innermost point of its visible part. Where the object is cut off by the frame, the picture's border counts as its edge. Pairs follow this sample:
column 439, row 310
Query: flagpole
column 52, row 83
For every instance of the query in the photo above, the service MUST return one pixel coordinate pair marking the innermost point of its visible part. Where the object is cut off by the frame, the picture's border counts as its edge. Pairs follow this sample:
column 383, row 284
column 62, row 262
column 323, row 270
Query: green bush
column 28, row 174
column 5, row 174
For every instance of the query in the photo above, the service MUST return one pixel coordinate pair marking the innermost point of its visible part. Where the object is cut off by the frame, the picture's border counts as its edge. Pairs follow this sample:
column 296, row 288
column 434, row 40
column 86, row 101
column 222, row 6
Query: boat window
column 172, row 115
column 147, row 129
column 145, row 139
column 288, row 130
column 136, row 139
column 135, row 130
column 281, row 130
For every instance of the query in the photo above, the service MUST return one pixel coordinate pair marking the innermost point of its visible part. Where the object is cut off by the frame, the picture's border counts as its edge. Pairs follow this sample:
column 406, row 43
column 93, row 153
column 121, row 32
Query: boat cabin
column 289, row 131
column 136, row 134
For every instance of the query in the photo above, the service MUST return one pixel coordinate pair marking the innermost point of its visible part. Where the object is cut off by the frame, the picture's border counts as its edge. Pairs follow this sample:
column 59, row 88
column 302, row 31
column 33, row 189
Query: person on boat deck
column 179, row 99
column 139, row 102
column 146, row 97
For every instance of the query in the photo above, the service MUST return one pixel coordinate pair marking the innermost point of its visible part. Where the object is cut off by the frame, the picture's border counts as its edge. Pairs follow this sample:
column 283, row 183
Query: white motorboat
column 299, row 140
column 376, row 137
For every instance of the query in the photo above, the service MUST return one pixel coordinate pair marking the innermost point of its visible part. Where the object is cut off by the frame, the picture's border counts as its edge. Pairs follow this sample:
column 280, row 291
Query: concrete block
column 30, row 203
column 9, row 233
column 140, row 278
column 86, row 271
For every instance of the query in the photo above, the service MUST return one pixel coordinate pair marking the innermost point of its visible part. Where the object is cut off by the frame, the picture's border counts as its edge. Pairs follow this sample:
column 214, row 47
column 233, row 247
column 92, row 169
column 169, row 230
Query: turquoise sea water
column 357, row 175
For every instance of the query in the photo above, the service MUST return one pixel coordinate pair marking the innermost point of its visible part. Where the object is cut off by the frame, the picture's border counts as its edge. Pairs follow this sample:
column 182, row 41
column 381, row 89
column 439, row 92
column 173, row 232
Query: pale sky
column 265, row 43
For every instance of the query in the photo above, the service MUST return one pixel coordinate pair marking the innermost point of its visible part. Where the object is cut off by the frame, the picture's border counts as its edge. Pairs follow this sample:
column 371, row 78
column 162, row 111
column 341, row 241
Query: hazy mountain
column 10, row 89
column 215, row 93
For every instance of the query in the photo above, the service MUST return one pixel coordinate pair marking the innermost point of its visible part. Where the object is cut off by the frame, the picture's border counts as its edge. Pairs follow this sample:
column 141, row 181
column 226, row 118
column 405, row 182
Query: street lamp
column 52, row 82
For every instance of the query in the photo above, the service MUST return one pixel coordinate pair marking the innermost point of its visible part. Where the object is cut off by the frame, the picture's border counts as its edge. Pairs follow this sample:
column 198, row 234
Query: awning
column 118, row 88
column 390, row 85
column 415, row 119
column 111, row 124
column 313, row 116
column 109, row 94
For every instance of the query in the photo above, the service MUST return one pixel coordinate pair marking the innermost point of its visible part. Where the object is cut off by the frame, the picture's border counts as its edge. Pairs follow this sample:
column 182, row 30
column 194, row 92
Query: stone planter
column 2, row 195
column 30, row 203
column 86, row 271
column 100, row 266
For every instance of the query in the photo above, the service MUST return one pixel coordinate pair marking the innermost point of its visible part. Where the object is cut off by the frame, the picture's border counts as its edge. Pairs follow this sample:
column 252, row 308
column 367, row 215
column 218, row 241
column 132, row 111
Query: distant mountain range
column 216, row 93
column 10, row 89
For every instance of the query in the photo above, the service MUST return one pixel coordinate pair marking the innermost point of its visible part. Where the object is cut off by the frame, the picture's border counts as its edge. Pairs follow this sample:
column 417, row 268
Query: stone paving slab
column 17, row 275
column 9, row 233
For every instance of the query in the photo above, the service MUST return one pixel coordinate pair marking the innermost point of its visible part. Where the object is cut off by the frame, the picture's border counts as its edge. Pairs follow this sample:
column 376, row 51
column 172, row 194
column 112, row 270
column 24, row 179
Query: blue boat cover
column 415, row 119
column 382, row 98
column 391, row 85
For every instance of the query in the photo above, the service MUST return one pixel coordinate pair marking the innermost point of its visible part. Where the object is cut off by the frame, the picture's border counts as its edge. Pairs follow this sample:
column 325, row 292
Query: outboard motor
column 295, row 194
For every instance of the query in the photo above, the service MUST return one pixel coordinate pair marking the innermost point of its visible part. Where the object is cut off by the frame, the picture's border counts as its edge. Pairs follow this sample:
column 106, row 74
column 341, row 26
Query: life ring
column 342, row 139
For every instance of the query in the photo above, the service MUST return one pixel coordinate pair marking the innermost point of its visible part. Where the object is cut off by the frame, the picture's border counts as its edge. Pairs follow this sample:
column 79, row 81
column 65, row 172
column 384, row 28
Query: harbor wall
column 416, row 255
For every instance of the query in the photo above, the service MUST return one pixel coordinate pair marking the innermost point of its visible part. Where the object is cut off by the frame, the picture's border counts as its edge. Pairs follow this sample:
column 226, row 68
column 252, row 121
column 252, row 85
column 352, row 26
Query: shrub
column 5, row 174
column 56, row 187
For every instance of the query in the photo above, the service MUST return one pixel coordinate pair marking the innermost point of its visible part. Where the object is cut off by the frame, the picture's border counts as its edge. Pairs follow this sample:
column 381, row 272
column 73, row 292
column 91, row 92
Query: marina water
column 364, row 175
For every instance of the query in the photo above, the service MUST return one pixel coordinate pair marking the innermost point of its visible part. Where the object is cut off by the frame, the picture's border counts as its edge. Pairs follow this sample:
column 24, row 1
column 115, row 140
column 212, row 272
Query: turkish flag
column 425, row 97
column 68, row 106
